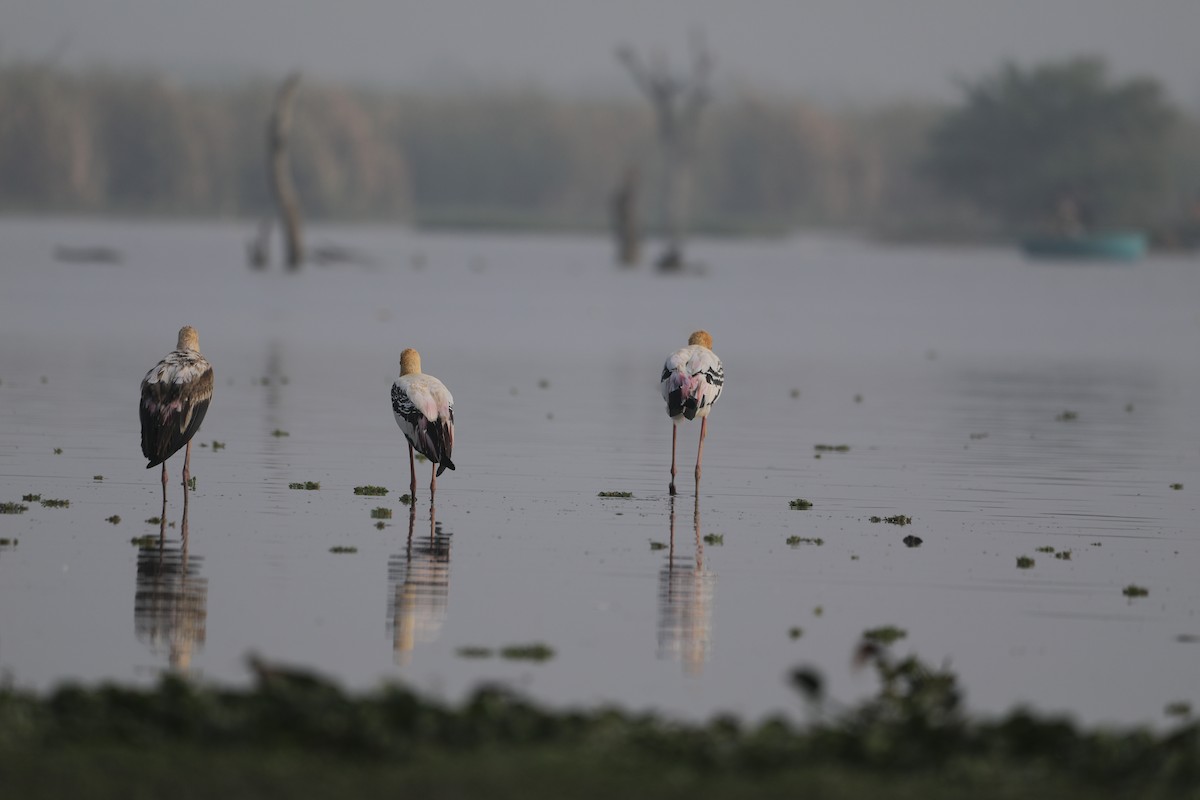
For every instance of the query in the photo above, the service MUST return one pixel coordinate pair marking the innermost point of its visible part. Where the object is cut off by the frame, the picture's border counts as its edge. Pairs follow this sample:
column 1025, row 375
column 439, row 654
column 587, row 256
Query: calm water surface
column 945, row 371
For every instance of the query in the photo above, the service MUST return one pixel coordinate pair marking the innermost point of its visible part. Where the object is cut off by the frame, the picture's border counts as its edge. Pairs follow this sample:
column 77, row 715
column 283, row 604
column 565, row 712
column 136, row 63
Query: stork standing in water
column 692, row 380
column 424, row 410
column 175, row 398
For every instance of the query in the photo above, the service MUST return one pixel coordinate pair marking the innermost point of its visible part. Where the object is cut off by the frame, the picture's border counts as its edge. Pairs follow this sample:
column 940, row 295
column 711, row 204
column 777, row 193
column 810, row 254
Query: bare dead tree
column 678, row 101
column 278, row 130
column 624, row 219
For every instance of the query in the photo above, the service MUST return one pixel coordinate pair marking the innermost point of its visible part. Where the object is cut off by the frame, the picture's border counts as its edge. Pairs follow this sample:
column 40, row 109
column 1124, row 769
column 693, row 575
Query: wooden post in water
column 624, row 219
column 278, row 129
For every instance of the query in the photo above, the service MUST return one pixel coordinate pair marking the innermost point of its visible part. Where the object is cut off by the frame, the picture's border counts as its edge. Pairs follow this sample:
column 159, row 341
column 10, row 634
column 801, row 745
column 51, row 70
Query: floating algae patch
column 405, row 499
column 1133, row 590
column 53, row 503
column 97, row 477
column 796, row 541
column 474, row 652
column 536, row 652
column 380, row 525
column 800, row 504
column 371, row 491
column 1025, row 562
column 13, row 508
column 615, row 494
column 657, row 545
column 912, row 541
column 306, row 485
column 339, row 548
column 885, row 634
column 896, row 519
column 278, row 433
column 114, row 519
column 714, row 539
column 381, row 513
column 144, row 541
column 1063, row 555
column 154, row 521
column 832, row 448
column 31, row 498
column 1177, row 486
column 1067, row 416
column 192, row 483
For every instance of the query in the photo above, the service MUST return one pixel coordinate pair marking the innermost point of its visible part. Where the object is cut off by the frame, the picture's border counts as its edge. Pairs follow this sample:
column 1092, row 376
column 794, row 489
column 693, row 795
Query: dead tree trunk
column 624, row 219
column 278, row 130
column 677, row 101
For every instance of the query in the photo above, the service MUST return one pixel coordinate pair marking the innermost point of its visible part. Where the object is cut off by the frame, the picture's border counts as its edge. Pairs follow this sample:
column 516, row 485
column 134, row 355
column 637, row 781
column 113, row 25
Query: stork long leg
column 674, row 434
column 187, row 472
column 412, row 472
column 700, row 450
column 164, row 483
column 432, row 481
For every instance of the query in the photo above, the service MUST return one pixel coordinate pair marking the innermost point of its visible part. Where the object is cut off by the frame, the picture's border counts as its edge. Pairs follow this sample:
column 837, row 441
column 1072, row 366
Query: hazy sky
column 836, row 49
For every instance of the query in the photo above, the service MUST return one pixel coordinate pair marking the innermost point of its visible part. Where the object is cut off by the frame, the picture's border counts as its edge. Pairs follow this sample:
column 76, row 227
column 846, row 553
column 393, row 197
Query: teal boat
column 1114, row 246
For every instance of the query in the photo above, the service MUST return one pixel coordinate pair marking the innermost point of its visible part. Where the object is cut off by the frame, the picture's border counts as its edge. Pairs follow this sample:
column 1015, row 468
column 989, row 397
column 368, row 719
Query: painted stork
column 692, row 380
column 175, row 398
column 424, row 410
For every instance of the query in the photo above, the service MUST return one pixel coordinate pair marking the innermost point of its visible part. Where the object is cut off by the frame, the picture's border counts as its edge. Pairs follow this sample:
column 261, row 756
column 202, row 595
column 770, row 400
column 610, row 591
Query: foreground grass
column 295, row 735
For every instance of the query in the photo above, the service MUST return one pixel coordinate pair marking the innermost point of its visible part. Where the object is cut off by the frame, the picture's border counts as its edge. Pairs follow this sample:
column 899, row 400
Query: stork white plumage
column 692, row 380
column 175, row 397
column 424, row 410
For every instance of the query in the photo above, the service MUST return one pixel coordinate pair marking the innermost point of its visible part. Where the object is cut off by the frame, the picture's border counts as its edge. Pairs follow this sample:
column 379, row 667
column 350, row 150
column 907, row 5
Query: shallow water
column 945, row 371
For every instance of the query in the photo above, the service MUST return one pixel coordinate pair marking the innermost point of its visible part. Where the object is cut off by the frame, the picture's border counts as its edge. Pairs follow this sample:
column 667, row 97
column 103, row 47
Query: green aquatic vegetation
column 154, row 521
column 795, row 632
column 306, row 485
column 657, row 545
column 58, row 451
column 536, row 652
column 832, row 448
column 1024, row 562
column 1067, row 416
column 1063, row 555
column 405, row 499
column 796, row 541
column 6, row 542
column 1180, row 709
column 372, row 491
column 615, row 494
column 277, row 433
column 898, row 519
column 381, row 513
column 31, row 498
column 114, row 519
column 217, row 445
column 1177, row 486
column 800, row 504
column 380, row 525
column 1045, row 549
column 885, row 634
column 192, row 483
column 1133, row 590
column 145, row 541
column 53, row 503
column 474, row 652
column 13, row 508
column 912, row 541
column 97, row 477
column 714, row 539
column 981, row 435
column 339, row 548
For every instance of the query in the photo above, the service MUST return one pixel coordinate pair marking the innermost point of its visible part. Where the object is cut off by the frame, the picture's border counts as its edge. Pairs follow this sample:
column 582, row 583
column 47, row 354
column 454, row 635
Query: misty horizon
column 859, row 51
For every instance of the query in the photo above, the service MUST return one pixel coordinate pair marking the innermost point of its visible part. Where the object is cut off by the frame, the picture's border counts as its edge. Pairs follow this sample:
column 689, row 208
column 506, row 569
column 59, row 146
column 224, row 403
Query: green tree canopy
column 1028, row 142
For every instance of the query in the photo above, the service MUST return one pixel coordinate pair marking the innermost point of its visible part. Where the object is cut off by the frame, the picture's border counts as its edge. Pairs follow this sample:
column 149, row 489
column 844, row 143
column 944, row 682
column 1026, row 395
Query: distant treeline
column 115, row 142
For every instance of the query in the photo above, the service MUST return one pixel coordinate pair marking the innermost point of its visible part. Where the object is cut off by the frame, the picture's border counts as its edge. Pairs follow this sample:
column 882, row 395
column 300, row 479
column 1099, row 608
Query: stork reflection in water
column 685, row 596
column 170, row 602
column 418, row 587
